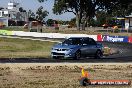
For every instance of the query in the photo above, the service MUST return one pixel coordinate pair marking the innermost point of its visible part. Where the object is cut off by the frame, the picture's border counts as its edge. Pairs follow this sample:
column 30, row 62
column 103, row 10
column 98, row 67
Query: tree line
column 86, row 10
column 39, row 15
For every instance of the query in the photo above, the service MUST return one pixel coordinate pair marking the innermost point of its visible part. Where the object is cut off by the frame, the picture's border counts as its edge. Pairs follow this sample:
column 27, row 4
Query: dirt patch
column 59, row 75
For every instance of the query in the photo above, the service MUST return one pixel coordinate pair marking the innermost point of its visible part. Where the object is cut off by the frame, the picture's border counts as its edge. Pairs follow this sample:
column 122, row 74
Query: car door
column 85, row 47
column 88, row 47
column 92, row 46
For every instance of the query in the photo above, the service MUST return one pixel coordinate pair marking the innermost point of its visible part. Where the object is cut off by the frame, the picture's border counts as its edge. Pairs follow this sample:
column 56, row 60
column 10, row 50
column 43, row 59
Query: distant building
column 128, row 22
column 11, row 16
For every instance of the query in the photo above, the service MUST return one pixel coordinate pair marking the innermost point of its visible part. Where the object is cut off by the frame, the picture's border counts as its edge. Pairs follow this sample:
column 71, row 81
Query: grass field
column 60, row 75
column 19, row 48
column 25, row 48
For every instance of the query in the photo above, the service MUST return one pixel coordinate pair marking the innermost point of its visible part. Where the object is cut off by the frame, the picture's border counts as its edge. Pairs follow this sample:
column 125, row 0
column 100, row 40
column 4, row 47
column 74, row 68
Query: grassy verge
column 19, row 48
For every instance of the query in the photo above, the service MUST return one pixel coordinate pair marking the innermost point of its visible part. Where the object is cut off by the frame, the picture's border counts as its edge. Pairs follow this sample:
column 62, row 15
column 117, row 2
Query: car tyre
column 98, row 54
column 77, row 55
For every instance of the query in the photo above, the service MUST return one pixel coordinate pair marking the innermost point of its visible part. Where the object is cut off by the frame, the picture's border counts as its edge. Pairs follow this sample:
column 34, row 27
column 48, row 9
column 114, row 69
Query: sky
column 34, row 5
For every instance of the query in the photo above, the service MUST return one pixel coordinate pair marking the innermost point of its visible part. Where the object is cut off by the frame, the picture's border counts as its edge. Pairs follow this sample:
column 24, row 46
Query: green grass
column 19, row 48
column 13, row 28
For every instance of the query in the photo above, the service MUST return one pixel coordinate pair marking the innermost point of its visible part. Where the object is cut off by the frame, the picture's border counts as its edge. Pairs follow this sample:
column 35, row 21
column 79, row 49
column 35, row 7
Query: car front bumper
column 63, row 54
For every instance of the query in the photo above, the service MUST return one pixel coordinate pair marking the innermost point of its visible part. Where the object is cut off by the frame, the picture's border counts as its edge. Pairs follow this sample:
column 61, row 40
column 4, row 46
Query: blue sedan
column 77, row 47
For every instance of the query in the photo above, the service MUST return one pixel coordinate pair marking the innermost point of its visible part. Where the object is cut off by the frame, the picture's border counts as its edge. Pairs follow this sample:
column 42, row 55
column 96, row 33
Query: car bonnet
column 64, row 46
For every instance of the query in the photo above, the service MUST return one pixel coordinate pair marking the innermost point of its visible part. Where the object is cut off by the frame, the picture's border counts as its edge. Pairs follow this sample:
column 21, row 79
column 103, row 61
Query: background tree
column 21, row 9
column 85, row 10
column 41, row 14
column 93, row 23
column 101, row 18
column 72, row 22
column 31, row 14
column 1, row 8
column 122, row 12
column 42, row 0
column 50, row 22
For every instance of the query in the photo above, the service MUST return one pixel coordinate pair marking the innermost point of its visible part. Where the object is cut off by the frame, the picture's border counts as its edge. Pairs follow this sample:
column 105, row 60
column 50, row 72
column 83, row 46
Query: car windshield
column 73, row 41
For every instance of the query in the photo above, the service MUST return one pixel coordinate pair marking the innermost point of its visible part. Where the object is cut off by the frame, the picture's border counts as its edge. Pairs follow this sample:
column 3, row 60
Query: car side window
column 86, row 41
column 92, row 41
column 73, row 41
column 89, row 41
column 76, row 41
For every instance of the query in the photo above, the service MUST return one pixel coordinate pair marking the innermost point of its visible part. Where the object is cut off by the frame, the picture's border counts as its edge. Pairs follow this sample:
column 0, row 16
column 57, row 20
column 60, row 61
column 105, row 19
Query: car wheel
column 77, row 55
column 98, row 54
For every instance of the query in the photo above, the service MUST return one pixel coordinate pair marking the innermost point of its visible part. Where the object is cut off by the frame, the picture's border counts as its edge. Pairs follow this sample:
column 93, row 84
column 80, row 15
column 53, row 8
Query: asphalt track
column 124, row 56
